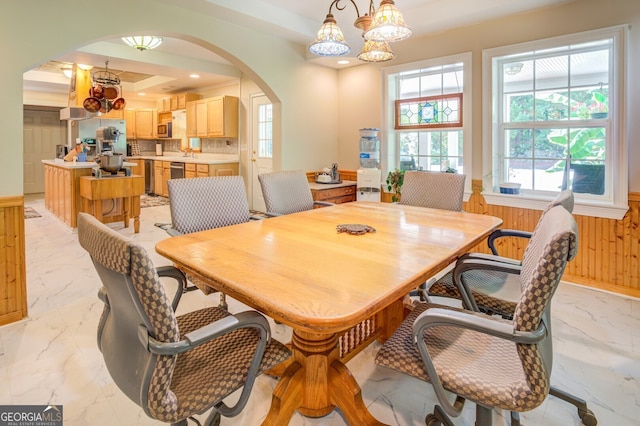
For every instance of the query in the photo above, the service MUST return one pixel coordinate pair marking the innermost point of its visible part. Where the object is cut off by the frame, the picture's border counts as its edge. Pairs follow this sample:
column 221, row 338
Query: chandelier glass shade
column 376, row 51
column 387, row 24
column 329, row 41
column 378, row 28
column 143, row 43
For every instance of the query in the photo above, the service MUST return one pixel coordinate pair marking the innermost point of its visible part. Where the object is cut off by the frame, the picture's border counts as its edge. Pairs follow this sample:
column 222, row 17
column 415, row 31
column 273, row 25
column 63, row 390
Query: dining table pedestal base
column 317, row 382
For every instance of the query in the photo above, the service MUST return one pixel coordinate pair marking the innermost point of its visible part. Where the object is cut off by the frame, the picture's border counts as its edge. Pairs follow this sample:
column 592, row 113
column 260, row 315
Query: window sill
column 582, row 208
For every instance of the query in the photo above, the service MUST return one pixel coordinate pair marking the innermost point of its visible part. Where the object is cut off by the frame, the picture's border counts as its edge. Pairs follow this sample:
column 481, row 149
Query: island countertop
column 79, row 164
column 198, row 159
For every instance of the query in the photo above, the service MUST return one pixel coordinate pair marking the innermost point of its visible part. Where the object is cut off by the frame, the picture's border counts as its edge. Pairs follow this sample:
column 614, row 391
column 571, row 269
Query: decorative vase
column 369, row 148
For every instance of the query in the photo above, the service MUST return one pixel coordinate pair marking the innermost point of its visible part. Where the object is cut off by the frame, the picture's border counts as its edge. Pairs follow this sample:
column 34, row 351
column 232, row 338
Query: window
column 265, row 131
column 424, row 110
column 553, row 122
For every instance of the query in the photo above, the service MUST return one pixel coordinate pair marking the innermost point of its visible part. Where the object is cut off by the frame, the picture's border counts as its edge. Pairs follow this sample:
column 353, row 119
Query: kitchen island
column 62, row 195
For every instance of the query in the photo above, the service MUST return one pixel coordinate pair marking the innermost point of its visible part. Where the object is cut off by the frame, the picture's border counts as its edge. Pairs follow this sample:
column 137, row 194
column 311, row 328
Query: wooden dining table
column 338, row 291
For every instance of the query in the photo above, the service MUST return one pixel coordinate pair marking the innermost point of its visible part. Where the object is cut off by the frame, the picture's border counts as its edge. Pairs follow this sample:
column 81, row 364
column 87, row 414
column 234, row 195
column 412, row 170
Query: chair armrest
column 499, row 233
column 468, row 320
column 248, row 319
column 492, row 257
column 273, row 214
column 175, row 273
column 173, row 232
column 253, row 217
column 323, row 203
column 471, row 263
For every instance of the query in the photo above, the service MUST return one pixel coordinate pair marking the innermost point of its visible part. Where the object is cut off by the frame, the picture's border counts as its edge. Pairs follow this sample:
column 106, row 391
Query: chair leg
column 585, row 414
column 515, row 418
column 438, row 417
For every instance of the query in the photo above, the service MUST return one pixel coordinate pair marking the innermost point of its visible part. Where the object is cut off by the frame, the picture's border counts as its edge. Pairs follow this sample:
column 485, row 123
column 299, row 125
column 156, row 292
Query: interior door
column 261, row 146
column 43, row 130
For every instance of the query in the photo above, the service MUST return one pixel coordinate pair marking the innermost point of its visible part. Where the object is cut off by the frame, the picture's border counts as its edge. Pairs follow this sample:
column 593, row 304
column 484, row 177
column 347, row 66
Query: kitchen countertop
column 321, row 186
column 199, row 159
column 79, row 164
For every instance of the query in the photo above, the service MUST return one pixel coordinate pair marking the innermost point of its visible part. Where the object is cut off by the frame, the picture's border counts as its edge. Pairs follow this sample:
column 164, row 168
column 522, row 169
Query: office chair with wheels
column 490, row 284
column 492, row 362
column 287, row 192
column 172, row 366
column 436, row 190
column 198, row 204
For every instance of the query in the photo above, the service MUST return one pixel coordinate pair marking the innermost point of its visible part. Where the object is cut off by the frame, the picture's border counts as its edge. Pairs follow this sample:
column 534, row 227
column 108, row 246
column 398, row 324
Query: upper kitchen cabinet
column 130, row 118
column 215, row 117
column 179, row 101
column 146, row 123
column 222, row 117
column 164, row 105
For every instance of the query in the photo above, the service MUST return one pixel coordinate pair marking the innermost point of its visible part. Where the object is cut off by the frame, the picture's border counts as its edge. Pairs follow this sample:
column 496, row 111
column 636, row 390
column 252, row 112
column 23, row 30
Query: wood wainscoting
column 13, row 282
column 607, row 256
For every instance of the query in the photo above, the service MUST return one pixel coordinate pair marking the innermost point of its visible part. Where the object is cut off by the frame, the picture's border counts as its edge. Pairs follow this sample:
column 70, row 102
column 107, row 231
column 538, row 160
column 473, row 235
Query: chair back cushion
column 565, row 199
column 436, row 190
column 552, row 244
column 135, row 297
column 198, row 204
column 286, row 192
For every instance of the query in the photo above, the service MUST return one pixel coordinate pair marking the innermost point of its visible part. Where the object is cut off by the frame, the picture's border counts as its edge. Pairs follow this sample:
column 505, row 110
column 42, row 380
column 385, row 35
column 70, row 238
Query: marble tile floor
column 52, row 357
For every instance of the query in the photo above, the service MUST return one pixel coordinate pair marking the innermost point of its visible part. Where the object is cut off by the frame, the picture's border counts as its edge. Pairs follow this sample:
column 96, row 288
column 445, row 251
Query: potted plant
column 394, row 183
column 598, row 107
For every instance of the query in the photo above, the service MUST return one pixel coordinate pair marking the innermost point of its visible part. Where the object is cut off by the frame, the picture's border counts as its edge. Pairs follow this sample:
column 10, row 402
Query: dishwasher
column 177, row 170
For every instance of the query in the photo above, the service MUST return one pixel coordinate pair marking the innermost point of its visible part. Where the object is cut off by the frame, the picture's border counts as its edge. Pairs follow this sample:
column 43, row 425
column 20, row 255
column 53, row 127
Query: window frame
column 615, row 204
column 389, row 140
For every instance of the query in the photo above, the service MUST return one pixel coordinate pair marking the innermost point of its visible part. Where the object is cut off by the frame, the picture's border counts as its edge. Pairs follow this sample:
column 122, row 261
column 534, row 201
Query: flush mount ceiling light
column 67, row 70
column 143, row 43
column 387, row 24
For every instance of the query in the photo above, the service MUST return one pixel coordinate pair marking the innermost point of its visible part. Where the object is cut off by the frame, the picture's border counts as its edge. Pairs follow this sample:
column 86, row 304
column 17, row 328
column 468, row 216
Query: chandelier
column 378, row 28
column 143, row 43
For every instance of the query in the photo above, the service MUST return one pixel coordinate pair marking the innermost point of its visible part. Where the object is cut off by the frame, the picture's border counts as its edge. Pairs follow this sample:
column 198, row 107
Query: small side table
column 129, row 188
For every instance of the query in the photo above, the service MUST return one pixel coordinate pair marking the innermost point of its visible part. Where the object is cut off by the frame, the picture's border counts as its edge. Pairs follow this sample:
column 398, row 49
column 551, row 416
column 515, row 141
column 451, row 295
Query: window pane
column 431, row 85
column 409, row 88
column 519, row 143
column 590, row 68
column 520, row 107
column 588, row 177
column 552, row 73
column 552, row 105
column 520, row 171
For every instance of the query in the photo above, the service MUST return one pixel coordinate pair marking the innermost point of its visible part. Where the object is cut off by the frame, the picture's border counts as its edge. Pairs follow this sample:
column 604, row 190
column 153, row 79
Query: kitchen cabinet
column 191, row 119
column 164, row 105
column 62, row 191
column 157, row 177
column 339, row 195
column 166, row 175
column 146, row 124
column 130, row 119
column 215, row 117
column 191, row 170
column 138, row 169
column 222, row 117
column 182, row 99
column 201, row 119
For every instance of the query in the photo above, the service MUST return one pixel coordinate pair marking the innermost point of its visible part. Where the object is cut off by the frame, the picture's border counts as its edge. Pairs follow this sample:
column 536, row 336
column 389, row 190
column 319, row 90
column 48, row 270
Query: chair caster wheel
column 588, row 418
column 432, row 420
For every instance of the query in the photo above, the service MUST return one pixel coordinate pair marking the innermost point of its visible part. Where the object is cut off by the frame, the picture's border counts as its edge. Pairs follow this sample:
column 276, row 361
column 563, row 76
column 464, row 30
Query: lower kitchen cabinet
column 62, row 192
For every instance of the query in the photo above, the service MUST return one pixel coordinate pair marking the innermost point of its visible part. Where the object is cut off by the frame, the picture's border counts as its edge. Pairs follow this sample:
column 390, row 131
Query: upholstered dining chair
column 490, row 284
column 436, row 190
column 287, row 192
column 492, row 362
column 199, row 204
column 172, row 366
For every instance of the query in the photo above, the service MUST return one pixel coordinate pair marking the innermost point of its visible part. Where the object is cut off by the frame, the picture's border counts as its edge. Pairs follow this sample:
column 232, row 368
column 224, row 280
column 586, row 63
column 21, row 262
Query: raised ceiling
column 150, row 72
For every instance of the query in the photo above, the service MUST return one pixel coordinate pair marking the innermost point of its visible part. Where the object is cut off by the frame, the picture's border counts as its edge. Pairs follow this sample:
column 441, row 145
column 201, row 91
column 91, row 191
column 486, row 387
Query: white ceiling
column 293, row 20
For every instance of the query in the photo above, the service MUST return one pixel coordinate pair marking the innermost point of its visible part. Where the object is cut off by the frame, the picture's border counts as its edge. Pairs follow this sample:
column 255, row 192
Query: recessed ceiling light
column 142, row 94
column 194, row 76
column 343, row 62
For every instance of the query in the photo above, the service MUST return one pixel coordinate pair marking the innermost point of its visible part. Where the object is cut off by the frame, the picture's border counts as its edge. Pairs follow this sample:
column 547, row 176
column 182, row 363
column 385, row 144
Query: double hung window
column 425, row 108
column 552, row 118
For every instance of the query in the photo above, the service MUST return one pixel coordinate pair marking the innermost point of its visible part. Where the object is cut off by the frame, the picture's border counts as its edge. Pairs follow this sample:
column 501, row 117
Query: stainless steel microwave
column 164, row 130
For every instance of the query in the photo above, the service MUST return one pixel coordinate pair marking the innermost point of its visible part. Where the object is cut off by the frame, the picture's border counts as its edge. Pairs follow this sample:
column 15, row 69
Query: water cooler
column 368, row 179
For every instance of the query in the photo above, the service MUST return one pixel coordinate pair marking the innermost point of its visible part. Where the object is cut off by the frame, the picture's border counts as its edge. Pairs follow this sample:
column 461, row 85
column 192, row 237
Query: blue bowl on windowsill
column 510, row 188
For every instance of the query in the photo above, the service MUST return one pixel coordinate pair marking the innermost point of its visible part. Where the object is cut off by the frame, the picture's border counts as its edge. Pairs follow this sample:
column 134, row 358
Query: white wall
column 37, row 31
column 360, row 106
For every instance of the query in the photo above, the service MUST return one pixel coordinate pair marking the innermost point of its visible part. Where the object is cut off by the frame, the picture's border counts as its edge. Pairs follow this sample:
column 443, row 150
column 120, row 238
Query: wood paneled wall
column 13, row 288
column 607, row 256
